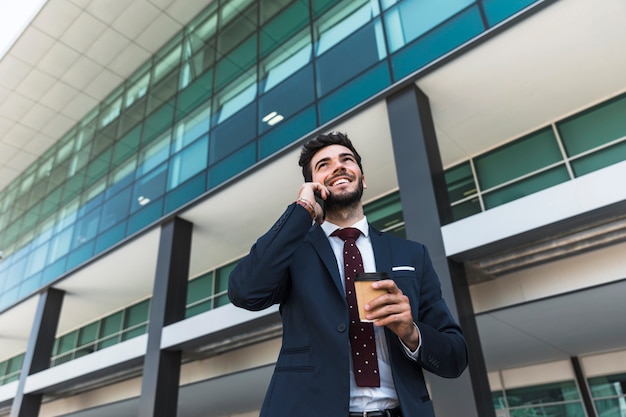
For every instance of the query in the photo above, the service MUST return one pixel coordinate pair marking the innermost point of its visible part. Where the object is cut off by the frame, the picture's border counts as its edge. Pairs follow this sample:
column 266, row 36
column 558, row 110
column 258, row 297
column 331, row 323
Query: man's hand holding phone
column 316, row 193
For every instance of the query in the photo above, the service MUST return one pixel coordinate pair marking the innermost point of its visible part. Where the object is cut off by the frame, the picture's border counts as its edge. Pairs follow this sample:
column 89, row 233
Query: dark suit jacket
column 294, row 265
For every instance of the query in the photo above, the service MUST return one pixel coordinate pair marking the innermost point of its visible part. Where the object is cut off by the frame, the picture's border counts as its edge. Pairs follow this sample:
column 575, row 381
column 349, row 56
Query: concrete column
column 161, row 369
column 38, row 351
column 426, row 208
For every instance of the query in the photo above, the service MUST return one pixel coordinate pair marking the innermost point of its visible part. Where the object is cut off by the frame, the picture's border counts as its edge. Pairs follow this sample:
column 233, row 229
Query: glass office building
column 227, row 101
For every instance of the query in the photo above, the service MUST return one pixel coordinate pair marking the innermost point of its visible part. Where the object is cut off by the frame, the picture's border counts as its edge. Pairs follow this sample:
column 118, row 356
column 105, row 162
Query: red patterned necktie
column 362, row 341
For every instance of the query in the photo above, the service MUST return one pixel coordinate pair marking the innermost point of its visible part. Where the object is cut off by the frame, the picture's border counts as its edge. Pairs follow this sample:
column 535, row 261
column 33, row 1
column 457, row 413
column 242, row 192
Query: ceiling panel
column 56, row 16
column 32, row 45
column 58, row 60
column 108, row 46
column 38, row 116
column 83, row 32
column 34, row 84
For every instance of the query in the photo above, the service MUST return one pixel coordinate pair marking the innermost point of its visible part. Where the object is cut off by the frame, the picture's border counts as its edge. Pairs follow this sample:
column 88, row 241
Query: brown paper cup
column 364, row 291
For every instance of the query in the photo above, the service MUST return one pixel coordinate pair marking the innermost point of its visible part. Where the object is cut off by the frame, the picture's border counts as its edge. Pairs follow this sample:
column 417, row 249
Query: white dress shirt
column 368, row 398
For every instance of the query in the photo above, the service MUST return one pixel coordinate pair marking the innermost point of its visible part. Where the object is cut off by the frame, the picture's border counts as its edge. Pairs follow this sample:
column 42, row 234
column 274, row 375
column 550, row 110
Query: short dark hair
column 312, row 146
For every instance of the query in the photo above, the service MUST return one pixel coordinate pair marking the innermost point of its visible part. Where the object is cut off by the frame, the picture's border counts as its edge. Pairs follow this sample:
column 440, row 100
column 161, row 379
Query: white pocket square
column 403, row 268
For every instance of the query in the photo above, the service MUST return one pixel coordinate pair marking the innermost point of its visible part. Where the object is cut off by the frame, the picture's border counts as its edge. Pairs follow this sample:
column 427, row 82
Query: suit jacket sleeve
column 261, row 278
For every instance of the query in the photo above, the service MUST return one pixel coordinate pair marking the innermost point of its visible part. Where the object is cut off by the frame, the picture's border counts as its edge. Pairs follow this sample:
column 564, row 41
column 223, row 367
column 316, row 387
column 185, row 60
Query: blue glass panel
column 29, row 286
column 110, row 237
column 145, row 216
column 287, row 98
column 80, row 255
column 233, row 134
column 498, row 10
column 115, row 209
column 185, row 193
column 54, row 270
column 349, row 58
column 287, row 132
column 60, row 244
column 410, row 19
column 86, row 228
column 233, row 165
column 236, row 63
column 436, row 43
column 149, row 188
column 354, row 93
column 188, row 162
column 195, row 94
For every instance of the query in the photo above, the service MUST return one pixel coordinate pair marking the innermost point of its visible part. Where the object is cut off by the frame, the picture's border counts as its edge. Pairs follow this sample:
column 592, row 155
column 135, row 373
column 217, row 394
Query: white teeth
column 341, row 181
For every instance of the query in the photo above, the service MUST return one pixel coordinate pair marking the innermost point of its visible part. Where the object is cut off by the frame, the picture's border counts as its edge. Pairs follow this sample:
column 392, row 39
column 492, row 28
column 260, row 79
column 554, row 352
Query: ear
column 363, row 180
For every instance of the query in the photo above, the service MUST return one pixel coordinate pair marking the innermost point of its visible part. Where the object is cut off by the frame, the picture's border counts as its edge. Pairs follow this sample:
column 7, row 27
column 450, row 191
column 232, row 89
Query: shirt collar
column 362, row 225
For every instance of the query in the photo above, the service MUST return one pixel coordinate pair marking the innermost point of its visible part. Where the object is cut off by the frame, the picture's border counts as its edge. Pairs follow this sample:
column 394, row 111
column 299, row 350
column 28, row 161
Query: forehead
column 331, row 151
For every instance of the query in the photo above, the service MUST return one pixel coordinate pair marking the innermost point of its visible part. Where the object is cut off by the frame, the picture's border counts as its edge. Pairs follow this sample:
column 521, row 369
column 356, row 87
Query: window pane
column 233, row 134
column 608, row 386
column 599, row 159
column 188, row 162
column 517, row 158
column 111, row 325
column 66, row 343
column 547, row 393
column 498, row 10
column 283, row 26
column 200, row 288
column 191, row 128
column 460, row 182
column 136, row 314
column 358, row 50
column 594, row 127
column 526, row 187
column 88, row 334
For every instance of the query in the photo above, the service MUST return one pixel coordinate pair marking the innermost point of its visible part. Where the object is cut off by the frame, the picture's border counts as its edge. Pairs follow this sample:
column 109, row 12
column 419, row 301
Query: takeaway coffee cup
column 364, row 291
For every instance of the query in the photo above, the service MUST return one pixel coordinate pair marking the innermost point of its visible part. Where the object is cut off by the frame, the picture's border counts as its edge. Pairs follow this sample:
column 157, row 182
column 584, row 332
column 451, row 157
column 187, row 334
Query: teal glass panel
column 237, row 63
column 53, row 270
column 358, row 90
column 520, row 157
column 149, row 188
column 195, row 94
column 287, row 88
column 200, row 288
column 599, row 159
column 544, row 393
column 350, row 41
column 97, row 169
column 188, row 162
column 595, row 127
column 66, row 343
column 499, row 402
column 163, row 91
column 221, row 300
column 282, row 26
column 231, row 166
column 608, row 385
column 460, row 182
column 146, row 216
column 526, row 187
column 321, row 6
column 466, row 209
column 115, row 209
column 126, row 146
column 612, row 407
column 191, row 128
column 386, row 212
column 238, row 20
column 287, row 132
column 186, row 192
column 158, row 122
column 80, row 254
column 436, row 43
column 550, row 410
column 109, row 238
column 15, row 364
column 87, row 334
column 51, row 203
column 74, row 185
column 134, row 332
column 233, row 134
column 136, row 314
column 199, row 308
column 410, row 19
column 111, row 324
column 221, row 277
column 498, row 10
column 109, row 341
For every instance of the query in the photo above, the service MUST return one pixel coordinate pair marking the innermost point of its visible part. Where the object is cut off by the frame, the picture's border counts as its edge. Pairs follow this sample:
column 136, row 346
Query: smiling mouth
column 339, row 181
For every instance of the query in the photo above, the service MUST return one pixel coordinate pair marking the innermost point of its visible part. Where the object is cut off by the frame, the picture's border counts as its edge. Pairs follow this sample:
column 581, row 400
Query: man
column 301, row 267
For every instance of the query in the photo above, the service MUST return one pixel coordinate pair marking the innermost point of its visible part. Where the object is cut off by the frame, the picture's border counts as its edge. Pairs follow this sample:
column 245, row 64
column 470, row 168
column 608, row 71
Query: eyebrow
column 341, row 155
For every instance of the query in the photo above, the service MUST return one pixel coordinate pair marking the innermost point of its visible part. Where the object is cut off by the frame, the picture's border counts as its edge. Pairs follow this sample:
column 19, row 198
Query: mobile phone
column 322, row 203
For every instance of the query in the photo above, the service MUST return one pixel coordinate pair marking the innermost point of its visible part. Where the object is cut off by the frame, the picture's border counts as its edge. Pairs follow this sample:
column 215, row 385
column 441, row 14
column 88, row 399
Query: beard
column 345, row 201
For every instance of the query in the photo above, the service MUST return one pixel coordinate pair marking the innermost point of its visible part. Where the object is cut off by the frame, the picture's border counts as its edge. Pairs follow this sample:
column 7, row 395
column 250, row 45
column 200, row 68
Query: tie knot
column 347, row 233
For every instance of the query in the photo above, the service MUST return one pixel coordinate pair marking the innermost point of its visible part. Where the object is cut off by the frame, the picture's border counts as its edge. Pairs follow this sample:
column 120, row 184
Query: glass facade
column 559, row 399
column 582, row 143
column 609, row 394
column 244, row 79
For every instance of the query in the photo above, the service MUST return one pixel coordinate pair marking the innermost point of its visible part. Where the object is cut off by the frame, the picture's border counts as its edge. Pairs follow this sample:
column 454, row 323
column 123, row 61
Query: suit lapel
column 322, row 247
